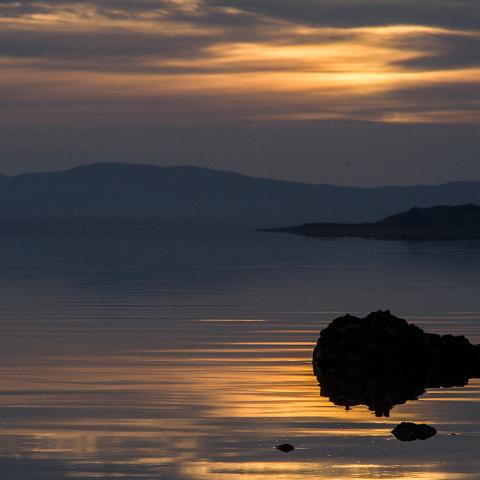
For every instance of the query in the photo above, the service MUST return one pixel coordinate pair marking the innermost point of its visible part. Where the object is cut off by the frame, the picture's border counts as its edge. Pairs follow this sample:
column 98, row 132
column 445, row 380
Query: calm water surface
column 189, row 357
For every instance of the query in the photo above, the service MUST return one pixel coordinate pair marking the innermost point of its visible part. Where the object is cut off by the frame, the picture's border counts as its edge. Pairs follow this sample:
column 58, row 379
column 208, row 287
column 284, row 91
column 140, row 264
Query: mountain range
column 193, row 196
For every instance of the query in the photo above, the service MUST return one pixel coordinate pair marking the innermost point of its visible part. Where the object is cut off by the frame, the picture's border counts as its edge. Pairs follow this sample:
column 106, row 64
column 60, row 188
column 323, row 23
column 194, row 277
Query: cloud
column 355, row 13
column 339, row 13
column 447, row 50
column 191, row 63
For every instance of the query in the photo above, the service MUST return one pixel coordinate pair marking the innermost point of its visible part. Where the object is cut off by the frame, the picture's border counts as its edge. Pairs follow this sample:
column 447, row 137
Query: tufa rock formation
column 381, row 361
column 408, row 431
column 285, row 447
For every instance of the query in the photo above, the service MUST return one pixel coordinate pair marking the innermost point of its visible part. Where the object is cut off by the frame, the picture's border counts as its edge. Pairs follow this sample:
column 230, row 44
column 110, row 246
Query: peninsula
column 441, row 222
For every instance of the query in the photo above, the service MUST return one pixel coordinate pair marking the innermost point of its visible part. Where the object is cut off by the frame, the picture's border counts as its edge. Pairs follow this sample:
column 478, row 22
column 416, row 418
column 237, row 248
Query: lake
column 188, row 357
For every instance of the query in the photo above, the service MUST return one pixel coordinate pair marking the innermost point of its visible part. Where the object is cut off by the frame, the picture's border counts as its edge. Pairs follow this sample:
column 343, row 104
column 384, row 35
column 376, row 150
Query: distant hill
column 192, row 196
column 440, row 222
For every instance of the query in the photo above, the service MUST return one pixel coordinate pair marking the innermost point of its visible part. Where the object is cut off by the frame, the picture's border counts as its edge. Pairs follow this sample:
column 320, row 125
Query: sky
column 350, row 92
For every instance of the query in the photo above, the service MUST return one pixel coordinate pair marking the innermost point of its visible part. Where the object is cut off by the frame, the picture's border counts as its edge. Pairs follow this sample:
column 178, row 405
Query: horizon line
column 229, row 172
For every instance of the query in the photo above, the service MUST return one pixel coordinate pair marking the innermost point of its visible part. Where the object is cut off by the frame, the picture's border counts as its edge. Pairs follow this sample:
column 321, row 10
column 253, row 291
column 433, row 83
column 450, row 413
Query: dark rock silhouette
column 381, row 361
column 408, row 431
column 441, row 222
column 285, row 447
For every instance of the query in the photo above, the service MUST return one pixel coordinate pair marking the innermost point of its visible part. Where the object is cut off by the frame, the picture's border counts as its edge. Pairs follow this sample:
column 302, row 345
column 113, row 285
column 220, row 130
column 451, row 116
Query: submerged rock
column 285, row 447
column 381, row 361
column 408, row 431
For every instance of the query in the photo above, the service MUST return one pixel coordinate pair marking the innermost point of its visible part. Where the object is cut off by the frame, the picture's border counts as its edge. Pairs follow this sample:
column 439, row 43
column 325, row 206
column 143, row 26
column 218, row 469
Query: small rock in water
column 408, row 431
column 285, row 447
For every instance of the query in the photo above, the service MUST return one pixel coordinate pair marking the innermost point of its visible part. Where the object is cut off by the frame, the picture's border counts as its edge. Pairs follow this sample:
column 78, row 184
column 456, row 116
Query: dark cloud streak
column 362, row 13
column 338, row 13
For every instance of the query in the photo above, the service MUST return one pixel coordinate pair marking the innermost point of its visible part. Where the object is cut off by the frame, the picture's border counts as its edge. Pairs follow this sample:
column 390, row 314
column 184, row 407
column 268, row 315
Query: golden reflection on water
column 215, row 412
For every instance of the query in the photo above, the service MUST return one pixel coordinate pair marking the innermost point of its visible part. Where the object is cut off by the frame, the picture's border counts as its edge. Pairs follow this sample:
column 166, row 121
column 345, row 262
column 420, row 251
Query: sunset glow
column 74, row 53
column 130, row 81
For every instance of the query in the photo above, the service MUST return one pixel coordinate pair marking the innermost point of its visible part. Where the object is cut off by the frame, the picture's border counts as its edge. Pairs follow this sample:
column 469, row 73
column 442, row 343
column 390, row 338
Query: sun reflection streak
column 171, row 408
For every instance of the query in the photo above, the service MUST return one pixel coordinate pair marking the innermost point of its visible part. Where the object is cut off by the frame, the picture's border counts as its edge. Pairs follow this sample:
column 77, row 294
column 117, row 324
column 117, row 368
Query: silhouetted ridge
column 116, row 196
column 443, row 216
column 439, row 222
column 119, row 169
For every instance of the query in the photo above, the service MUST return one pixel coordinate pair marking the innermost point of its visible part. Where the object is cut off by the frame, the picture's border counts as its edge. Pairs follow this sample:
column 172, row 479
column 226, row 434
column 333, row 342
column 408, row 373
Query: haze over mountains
column 192, row 196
